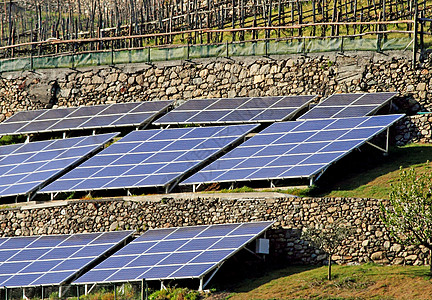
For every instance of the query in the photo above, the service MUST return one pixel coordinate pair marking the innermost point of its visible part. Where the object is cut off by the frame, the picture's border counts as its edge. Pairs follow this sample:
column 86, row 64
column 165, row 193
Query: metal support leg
column 24, row 295
column 387, row 140
column 86, row 289
column 271, row 184
column 64, row 134
column 42, row 292
column 78, row 292
column 60, row 292
column 27, row 139
column 115, row 292
column 193, row 188
column 200, row 289
column 311, row 181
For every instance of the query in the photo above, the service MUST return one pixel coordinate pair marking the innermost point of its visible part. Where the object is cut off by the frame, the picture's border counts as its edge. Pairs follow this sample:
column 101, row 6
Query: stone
column 171, row 90
column 122, row 77
column 377, row 256
column 421, row 86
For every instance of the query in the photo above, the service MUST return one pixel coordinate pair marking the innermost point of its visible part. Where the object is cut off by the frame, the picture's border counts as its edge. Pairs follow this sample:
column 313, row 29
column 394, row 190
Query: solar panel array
column 298, row 149
column 175, row 253
column 84, row 117
column 348, row 105
column 26, row 167
column 52, row 259
column 149, row 158
column 236, row 110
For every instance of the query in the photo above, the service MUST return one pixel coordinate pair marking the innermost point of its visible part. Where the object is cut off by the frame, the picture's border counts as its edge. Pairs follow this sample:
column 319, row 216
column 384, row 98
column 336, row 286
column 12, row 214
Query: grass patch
column 372, row 178
column 366, row 281
column 243, row 189
column 12, row 139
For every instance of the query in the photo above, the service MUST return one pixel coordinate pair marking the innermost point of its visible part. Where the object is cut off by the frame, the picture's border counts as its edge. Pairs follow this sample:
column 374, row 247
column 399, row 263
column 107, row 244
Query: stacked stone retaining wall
column 370, row 240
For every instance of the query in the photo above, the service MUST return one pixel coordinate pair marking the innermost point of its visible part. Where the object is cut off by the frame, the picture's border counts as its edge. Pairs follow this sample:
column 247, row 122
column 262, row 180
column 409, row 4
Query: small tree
column 327, row 239
column 409, row 215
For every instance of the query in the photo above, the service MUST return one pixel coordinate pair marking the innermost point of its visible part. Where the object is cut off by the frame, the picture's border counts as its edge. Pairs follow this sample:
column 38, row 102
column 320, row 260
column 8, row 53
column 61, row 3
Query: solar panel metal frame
column 203, row 274
column 76, row 272
column 172, row 182
column 215, row 102
column 86, row 119
column 320, row 170
column 60, row 171
column 322, row 105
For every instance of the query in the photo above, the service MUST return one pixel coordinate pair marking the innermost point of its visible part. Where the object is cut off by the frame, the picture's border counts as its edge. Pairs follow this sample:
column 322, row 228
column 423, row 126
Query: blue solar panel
column 348, row 105
column 29, row 166
column 85, row 117
column 52, row 260
column 174, row 253
column 237, row 110
column 298, row 149
column 149, row 158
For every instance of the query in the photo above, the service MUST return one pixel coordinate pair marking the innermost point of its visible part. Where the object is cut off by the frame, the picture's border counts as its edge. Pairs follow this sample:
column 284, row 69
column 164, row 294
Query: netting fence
column 186, row 52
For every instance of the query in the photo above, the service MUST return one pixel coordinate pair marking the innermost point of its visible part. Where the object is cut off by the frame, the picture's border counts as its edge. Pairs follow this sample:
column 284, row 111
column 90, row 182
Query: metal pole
column 115, row 292
column 142, row 289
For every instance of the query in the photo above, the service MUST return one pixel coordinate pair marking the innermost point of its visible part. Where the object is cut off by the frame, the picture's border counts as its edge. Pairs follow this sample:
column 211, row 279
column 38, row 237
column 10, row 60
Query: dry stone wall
column 369, row 242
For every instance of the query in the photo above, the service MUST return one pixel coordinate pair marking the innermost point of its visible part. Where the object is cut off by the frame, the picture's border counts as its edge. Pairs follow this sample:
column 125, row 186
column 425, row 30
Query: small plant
column 328, row 238
column 243, row 189
column 175, row 294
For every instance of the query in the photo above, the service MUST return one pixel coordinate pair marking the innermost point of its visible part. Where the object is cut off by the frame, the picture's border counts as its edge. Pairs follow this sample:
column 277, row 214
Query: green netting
column 247, row 49
column 397, row 44
column 223, row 50
column 323, row 45
column 207, row 51
column 285, row 47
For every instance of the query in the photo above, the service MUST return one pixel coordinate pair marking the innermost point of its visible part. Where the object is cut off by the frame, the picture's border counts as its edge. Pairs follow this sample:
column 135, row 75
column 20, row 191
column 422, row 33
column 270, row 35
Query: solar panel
column 236, row 110
column 84, row 117
column 348, row 105
column 175, row 253
column 149, row 158
column 299, row 149
column 25, row 168
column 52, row 259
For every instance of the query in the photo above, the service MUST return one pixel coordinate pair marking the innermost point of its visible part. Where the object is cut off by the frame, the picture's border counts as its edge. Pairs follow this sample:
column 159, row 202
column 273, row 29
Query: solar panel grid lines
column 24, row 168
column 348, row 105
column 149, row 158
column 299, row 149
column 83, row 117
column 235, row 110
column 175, row 253
column 53, row 259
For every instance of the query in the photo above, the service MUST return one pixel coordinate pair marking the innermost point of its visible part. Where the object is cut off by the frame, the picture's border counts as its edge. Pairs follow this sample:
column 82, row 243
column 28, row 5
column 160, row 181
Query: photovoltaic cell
column 149, row 158
column 348, row 105
column 84, row 117
column 25, row 168
column 48, row 260
column 297, row 149
column 236, row 110
column 175, row 253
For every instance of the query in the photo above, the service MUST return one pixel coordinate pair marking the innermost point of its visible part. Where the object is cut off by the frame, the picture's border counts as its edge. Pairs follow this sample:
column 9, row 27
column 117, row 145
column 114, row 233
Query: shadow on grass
column 359, row 168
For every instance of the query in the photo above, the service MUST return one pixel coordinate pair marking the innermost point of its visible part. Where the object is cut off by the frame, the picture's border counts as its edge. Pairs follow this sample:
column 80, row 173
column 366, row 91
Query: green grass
column 366, row 281
column 371, row 177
